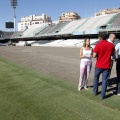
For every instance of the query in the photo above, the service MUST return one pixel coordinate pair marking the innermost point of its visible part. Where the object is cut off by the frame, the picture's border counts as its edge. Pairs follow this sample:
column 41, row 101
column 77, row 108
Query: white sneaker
column 118, row 94
column 79, row 88
column 85, row 88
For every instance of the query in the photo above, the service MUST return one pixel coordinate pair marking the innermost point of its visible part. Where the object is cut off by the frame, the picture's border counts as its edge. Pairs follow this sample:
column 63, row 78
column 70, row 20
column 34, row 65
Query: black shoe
column 114, row 92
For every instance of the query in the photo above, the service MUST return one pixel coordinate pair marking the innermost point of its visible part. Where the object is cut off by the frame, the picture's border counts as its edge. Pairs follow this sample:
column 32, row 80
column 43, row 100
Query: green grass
column 28, row 95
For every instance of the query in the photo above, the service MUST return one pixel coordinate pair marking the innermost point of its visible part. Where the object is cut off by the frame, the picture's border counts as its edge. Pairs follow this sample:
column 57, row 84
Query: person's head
column 112, row 37
column 102, row 36
column 86, row 42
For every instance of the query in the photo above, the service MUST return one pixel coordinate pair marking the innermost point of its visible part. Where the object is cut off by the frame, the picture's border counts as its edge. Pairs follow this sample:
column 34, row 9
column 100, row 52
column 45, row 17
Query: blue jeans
column 105, row 74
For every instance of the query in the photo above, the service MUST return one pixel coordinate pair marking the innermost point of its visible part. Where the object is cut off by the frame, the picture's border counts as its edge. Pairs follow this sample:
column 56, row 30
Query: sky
column 53, row 8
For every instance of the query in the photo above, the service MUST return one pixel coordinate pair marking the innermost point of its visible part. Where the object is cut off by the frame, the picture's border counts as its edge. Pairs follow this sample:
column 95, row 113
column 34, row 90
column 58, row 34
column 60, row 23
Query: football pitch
column 28, row 95
column 40, row 83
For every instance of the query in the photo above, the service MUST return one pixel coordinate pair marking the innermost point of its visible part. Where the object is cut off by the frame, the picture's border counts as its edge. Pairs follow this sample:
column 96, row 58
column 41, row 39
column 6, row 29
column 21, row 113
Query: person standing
column 111, row 40
column 85, row 63
column 103, row 52
column 117, row 48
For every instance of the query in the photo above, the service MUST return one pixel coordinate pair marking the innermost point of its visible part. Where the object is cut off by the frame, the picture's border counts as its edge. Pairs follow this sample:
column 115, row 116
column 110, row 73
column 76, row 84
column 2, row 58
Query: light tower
column 14, row 4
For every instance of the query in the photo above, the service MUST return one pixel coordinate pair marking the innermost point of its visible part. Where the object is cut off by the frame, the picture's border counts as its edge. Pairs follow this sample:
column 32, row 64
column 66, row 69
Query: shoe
column 114, row 92
column 85, row 88
column 79, row 88
column 118, row 94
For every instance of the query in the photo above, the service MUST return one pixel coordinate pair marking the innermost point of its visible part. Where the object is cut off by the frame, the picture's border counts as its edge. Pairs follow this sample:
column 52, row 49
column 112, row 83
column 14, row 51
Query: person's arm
column 95, row 51
column 113, row 54
column 81, row 53
column 94, row 54
column 91, row 52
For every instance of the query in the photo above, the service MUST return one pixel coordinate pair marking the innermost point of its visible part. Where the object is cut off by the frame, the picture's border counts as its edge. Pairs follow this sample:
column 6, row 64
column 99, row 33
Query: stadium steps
column 17, row 34
column 52, row 29
column 72, row 26
column 115, row 22
column 91, row 25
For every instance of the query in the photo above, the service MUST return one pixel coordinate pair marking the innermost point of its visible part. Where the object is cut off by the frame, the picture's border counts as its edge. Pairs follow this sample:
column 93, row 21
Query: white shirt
column 117, row 48
column 87, row 53
column 113, row 56
column 109, row 41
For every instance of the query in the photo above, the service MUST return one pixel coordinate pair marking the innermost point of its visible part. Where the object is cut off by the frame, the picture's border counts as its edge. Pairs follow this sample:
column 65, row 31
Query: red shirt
column 104, row 51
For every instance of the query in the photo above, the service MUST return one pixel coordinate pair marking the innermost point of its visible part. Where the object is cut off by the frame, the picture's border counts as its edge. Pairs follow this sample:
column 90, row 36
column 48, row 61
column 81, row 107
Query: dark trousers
column 105, row 74
column 118, row 76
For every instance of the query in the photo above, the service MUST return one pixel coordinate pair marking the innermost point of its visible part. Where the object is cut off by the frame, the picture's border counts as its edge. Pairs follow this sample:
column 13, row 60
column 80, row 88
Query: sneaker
column 79, row 88
column 85, row 88
column 114, row 92
column 118, row 94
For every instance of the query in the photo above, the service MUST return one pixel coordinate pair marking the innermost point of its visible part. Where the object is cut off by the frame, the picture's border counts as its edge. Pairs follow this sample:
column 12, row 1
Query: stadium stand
column 5, row 38
column 91, row 25
column 54, row 42
column 40, row 43
column 70, row 33
column 62, row 43
column 21, row 43
column 76, row 27
column 16, row 34
column 57, row 43
column 1, row 35
column 69, row 42
column 114, row 24
column 51, row 29
column 33, row 30
column 5, row 35
column 72, row 26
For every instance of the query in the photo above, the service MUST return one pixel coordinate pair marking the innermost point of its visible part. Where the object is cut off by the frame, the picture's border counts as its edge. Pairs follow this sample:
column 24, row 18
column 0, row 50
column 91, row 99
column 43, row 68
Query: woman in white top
column 85, row 63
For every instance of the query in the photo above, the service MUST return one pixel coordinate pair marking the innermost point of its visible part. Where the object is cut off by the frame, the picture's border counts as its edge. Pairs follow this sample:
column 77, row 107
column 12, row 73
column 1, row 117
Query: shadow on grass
column 111, row 88
column 112, row 85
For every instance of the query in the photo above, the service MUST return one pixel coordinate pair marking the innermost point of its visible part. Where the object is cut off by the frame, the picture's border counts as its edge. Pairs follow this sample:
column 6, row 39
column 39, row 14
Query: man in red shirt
column 103, row 52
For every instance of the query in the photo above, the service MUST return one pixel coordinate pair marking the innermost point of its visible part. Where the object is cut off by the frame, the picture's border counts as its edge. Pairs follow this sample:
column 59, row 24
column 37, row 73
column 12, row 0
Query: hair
column 84, row 43
column 103, row 36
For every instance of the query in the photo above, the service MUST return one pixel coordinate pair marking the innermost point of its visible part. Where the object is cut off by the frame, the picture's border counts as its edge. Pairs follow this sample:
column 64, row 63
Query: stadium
column 40, row 72
column 69, row 33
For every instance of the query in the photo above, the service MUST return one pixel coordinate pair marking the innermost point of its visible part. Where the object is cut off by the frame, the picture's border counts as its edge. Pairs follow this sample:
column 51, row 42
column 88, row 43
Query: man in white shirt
column 111, row 39
column 117, row 48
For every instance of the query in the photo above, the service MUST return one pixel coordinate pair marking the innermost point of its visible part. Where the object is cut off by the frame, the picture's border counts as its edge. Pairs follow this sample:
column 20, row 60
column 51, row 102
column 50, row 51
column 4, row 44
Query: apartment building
column 68, row 16
column 33, row 20
column 108, row 11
